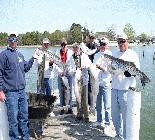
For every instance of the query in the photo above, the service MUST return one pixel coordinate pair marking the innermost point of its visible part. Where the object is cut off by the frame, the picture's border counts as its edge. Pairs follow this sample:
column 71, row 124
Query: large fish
column 66, row 89
column 41, row 68
column 63, row 67
column 77, row 89
column 55, row 58
column 119, row 67
column 94, row 87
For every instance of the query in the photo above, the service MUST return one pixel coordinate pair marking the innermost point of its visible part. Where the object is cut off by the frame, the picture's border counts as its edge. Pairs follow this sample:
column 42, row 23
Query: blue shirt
column 12, row 70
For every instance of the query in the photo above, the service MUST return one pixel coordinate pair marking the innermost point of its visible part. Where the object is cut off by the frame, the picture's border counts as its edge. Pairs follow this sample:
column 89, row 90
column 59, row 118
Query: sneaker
column 51, row 114
column 62, row 112
column 118, row 138
column 69, row 112
column 106, row 129
column 86, row 120
column 78, row 118
column 95, row 124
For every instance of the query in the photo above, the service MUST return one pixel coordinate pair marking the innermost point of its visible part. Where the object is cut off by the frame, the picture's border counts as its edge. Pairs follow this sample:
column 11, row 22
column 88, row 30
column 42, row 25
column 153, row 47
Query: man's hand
column 2, row 96
column 61, row 74
column 51, row 61
column 67, row 75
column 36, row 54
column 127, row 74
column 97, row 66
column 82, row 67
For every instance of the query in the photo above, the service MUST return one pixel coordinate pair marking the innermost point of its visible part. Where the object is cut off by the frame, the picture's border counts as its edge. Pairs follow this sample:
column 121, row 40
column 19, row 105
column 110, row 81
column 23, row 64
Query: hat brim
column 46, row 42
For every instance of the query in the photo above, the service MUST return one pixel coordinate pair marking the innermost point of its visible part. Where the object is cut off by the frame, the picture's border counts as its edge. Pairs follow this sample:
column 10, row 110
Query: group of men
column 113, row 89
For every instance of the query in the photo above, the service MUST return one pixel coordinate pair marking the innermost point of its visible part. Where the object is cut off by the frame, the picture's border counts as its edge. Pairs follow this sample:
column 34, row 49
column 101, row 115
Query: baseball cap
column 122, row 36
column 104, row 40
column 46, row 40
column 13, row 33
column 76, row 45
column 91, row 36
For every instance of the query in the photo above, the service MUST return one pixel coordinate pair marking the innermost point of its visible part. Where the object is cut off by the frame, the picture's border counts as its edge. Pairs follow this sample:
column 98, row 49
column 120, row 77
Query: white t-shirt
column 49, row 70
column 121, row 82
column 104, row 77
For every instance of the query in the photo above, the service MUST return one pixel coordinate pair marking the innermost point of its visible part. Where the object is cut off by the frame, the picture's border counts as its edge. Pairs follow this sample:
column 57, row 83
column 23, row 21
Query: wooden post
column 133, row 115
column 4, row 124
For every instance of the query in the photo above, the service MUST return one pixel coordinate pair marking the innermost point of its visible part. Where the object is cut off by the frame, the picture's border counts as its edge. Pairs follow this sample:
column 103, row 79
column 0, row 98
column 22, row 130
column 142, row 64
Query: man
column 65, row 54
column 82, row 62
column 91, row 45
column 104, row 94
column 120, row 86
column 48, row 71
column 12, row 88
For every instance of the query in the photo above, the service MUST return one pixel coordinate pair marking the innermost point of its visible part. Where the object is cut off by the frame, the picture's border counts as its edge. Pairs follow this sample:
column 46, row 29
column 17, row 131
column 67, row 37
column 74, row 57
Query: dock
column 64, row 127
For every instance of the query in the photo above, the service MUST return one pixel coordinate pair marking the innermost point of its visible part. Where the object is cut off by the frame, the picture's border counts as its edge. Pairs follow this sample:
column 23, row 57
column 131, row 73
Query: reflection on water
column 146, row 54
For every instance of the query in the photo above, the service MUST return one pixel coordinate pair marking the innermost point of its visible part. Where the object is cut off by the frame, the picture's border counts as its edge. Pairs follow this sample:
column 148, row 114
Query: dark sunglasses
column 104, row 44
column 91, row 38
column 13, row 39
column 122, row 41
column 63, row 45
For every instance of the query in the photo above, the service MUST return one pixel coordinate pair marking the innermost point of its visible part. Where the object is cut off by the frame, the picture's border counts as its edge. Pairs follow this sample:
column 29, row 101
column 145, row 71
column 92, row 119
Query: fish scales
column 41, row 67
column 55, row 58
column 119, row 66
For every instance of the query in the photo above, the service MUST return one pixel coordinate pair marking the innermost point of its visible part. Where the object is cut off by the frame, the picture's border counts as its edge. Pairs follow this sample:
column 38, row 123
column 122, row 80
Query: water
column 147, row 128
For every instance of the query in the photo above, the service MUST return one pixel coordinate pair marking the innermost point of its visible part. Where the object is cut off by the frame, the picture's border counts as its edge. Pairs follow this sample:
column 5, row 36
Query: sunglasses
column 13, row 39
column 63, row 45
column 91, row 38
column 122, row 41
column 104, row 44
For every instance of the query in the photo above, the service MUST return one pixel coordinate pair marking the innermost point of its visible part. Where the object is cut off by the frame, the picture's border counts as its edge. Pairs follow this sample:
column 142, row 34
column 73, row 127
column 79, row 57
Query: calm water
column 147, row 130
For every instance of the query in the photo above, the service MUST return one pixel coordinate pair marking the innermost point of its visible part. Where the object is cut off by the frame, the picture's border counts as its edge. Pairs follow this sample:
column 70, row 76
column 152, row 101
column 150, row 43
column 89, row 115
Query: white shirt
column 48, row 71
column 103, row 76
column 69, row 62
column 85, row 62
column 121, row 82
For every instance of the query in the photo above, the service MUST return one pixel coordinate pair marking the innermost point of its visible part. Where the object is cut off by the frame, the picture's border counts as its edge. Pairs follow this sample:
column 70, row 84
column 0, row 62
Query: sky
column 24, row 16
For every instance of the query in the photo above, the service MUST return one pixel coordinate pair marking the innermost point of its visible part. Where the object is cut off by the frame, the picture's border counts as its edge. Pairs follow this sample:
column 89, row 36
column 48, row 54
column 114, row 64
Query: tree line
column 76, row 33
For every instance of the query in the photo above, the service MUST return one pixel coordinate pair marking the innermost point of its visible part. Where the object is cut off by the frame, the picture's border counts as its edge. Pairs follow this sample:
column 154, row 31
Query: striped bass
column 55, row 58
column 66, row 89
column 94, row 87
column 41, row 68
column 63, row 67
column 77, row 89
column 118, row 67
column 86, row 50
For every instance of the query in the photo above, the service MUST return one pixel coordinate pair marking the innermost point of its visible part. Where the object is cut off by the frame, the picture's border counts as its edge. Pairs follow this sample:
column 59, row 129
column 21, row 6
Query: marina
column 67, row 127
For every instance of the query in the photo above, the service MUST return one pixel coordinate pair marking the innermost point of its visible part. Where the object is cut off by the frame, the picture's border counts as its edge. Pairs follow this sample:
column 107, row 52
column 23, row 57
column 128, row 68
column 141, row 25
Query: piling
column 133, row 115
column 4, row 124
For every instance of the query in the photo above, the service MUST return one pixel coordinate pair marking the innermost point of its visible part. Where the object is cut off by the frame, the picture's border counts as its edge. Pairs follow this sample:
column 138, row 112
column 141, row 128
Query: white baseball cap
column 13, row 33
column 46, row 40
column 104, row 40
column 122, row 36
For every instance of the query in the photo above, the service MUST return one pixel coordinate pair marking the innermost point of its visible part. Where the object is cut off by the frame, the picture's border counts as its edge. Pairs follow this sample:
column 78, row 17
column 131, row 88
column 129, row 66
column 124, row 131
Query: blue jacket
column 12, row 70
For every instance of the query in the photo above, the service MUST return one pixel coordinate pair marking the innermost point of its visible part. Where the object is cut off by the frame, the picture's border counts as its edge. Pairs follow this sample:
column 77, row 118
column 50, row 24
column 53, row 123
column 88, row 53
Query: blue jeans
column 62, row 102
column 48, row 86
column 118, row 110
column 104, row 95
column 17, row 111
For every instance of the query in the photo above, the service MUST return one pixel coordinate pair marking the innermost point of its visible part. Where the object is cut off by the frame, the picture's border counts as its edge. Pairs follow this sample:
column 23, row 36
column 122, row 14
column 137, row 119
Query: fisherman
column 104, row 94
column 48, row 70
column 91, row 45
column 80, row 82
column 65, row 54
column 120, row 86
column 12, row 87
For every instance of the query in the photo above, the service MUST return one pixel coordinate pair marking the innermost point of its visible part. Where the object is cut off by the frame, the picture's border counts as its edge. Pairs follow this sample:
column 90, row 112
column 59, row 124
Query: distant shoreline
column 110, row 44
